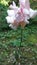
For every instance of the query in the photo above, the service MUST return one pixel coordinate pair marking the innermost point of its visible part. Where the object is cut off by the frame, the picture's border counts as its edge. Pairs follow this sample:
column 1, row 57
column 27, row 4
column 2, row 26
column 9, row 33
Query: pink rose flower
column 20, row 15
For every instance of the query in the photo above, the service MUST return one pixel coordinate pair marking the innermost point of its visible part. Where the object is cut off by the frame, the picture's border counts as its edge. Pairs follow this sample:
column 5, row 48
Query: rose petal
column 10, row 19
column 11, row 12
column 33, row 13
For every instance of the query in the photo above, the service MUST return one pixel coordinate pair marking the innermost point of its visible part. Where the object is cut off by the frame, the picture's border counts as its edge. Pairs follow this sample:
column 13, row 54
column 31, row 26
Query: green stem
column 21, row 36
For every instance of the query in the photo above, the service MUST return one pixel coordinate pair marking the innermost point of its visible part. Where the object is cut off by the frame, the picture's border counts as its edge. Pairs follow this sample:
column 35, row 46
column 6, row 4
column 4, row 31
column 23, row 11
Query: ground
column 11, row 53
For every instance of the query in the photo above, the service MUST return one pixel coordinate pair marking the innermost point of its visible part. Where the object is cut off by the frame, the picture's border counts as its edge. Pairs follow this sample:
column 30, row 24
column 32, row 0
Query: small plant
column 20, row 15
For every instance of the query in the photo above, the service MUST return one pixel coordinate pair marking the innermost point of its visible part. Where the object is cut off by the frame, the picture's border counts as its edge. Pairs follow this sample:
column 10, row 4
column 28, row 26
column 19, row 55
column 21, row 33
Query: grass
column 14, row 37
column 11, row 53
